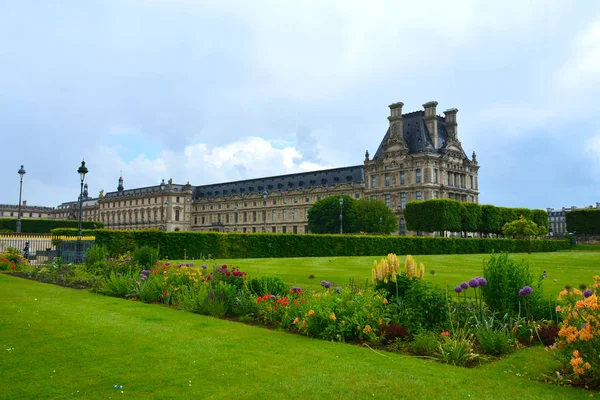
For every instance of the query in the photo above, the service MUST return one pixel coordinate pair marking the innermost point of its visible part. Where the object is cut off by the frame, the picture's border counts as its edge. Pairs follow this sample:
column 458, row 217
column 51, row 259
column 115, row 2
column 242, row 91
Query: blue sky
column 218, row 91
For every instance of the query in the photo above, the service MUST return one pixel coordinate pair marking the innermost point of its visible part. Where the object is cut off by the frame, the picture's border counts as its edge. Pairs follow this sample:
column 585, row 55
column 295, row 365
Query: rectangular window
column 455, row 180
column 373, row 181
column 462, row 181
column 435, row 175
column 387, row 180
column 253, row 216
column 471, row 199
column 136, row 202
column 176, row 215
column 253, row 229
column 449, row 179
column 357, row 195
column 244, row 229
column 218, row 217
column 471, row 177
column 294, row 214
column 418, row 175
column 285, row 200
column 436, row 194
column 254, row 203
column 273, row 229
column 283, row 229
column 219, row 207
column 388, row 202
column 210, row 219
column 274, row 216
column 307, row 199
column 402, row 178
column 284, row 214
column 419, row 195
column 296, row 200
column 245, row 217
column 403, row 199
column 402, row 227
column 177, row 199
column 274, row 202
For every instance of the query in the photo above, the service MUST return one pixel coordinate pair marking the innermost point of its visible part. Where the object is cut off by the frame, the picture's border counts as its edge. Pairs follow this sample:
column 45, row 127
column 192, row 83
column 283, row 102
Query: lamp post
column 21, row 173
column 82, row 171
column 165, row 218
column 235, row 218
column 341, row 221
column 265, row 194
column 162, row 200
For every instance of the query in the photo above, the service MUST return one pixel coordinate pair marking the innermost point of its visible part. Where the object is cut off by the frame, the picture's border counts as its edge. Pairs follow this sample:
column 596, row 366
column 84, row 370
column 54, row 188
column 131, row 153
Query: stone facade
column 27, row 211
column 419, row 158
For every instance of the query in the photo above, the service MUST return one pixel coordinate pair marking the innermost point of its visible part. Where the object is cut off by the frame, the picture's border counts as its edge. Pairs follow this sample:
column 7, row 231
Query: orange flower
column 311, row 313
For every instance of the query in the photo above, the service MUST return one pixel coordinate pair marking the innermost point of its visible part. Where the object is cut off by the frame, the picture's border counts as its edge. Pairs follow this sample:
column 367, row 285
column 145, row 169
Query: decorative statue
column 474, row 157
column 101, row 193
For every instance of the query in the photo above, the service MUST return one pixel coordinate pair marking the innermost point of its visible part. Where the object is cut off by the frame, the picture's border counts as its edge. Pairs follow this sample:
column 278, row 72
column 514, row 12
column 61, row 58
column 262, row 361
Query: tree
column 523, row 229
column 435, row 215
column 470, row 217
column 373, row 216
column 324, row 215
column 585, row 221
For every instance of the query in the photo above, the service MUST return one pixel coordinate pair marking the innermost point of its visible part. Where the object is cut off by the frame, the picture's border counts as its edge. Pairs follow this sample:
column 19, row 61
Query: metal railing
column 41, row 248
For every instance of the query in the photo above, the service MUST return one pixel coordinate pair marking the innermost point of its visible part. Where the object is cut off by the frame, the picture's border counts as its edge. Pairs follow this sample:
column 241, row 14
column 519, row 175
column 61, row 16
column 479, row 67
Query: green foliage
column 145, row 256
column 423, row 306
column 120, row 285
column 493, row 341
column 425, row 344
column 264, row 285
column 458, row 351
column 373, row 216
column 470, row 214
column 523, row 228
column 238, row 245
column 44, row 225
column 11, row 259
column 96, row 259
column 505, row 277
column 434, row 215
column 585, row 221
column 491, row 219
column 324, row 215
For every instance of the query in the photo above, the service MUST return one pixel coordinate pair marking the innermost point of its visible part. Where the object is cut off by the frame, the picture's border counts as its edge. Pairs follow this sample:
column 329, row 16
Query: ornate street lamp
column 162, row 200
column 265, row 194
column 82, row 171
column 341, row 221
column 21, row 173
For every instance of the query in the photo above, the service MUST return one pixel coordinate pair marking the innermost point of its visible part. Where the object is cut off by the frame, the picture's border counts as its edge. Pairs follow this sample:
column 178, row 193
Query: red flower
column 227, row 273
column 12, row 266
column 446, row 334
column 224, row 266
column 166, row 292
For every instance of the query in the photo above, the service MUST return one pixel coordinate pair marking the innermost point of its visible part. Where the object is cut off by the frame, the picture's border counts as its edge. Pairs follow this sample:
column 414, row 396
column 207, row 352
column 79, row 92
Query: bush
column 96, row 259
column 583, row 221
column 425, row 344
column 424, row 306
column 12, row 260
column 237, row 245
column 44, row 225
column 393, row 332
column 505, row 278
column 119, row 285
column 494, row 342
column 145, row 256
column 264, row 285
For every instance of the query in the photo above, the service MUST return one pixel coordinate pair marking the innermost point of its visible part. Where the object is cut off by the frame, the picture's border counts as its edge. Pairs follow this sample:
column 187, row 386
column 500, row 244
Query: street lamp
column 265, row 193
column 21, row 173
column 82, row 171
column 341, row 207
column 166, row 204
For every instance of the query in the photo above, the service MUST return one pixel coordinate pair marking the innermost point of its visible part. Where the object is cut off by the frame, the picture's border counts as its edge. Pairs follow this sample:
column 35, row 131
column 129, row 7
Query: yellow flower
column 367, row 329
column 332, row 317
column 311, row 313
column 385, row 301
column 295, row 321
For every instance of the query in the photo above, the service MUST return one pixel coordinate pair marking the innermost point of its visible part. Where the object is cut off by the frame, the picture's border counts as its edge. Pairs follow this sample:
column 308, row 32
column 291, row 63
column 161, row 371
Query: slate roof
column 416, row 135
column 304, row 180
column 138, row 191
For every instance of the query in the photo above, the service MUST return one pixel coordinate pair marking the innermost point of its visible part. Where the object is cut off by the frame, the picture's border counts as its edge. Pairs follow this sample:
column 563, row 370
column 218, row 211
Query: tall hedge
column 585, row 221
column 434, row 215
column 32, row 225
column 261, row 245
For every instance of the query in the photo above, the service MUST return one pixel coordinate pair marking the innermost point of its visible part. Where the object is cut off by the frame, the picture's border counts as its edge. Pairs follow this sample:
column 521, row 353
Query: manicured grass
column 570, row 267
column 64, row 343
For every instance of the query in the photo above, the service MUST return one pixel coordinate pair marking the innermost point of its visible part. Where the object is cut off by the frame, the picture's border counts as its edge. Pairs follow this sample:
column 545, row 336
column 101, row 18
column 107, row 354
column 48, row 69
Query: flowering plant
column 579, row 336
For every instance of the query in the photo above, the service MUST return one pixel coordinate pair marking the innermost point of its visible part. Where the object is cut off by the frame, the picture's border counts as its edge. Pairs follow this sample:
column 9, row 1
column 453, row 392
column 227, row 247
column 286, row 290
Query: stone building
column 27, row 211
column 557, row 223
column 419, row 158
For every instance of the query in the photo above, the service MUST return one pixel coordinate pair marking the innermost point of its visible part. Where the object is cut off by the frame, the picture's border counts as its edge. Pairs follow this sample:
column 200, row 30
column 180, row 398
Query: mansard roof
column 416, row 135
column 303, row 180
column 144, row 190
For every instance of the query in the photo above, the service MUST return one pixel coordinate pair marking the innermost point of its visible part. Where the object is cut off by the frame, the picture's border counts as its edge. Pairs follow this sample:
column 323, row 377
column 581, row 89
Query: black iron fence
column 41, row 248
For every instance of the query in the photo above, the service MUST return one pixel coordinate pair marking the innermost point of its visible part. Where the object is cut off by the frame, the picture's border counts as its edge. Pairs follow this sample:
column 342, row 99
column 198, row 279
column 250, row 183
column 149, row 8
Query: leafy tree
column 491, row 219
column 585, row 221
column 324, row 215
column 373, row 216
column 434, row 215
column 523, row 229
column 470, row 217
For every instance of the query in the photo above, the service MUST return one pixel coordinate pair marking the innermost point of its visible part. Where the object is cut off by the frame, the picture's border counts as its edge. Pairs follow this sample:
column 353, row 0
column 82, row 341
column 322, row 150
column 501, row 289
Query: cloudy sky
column 212, row 91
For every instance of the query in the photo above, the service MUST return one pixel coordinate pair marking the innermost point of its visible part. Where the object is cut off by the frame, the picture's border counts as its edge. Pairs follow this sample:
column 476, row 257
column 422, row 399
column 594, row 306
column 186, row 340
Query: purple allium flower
column 143, row 277
column 204, row 266
column 138, row 283
column 464, row 285
column 119, row 274
column 325, row 284
column 168, row 264
column 458, row 289
column 588, row 293
column 128, row 259
column 482, row 281
column 338, row 288
column 145, row 272
column 273, row 297
column 296, row 289
column 474, row 282
column 526, row 291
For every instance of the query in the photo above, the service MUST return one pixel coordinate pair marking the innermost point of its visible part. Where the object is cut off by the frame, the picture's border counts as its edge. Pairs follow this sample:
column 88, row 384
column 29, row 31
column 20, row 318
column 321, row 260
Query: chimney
column 451, row 124
column 24, row 203
column 431, row 121
column 395, row 119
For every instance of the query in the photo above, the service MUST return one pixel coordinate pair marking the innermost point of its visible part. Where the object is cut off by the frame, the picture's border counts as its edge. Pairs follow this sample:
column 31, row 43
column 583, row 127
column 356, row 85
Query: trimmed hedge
column 262, row 245
column 32, row 225
column 585, row 221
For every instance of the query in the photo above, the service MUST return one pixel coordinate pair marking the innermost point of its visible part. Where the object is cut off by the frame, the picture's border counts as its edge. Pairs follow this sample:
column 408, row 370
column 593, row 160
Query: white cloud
column 582, row 69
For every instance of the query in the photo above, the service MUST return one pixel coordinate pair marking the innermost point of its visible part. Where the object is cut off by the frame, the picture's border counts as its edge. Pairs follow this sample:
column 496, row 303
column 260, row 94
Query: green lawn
column 573, row 268
column 63, row 343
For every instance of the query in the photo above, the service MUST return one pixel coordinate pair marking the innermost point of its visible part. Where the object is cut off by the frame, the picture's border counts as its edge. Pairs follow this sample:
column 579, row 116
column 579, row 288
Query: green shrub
column 149, row 289
column 584, row 221
column 145, row 256
column 237, row 245
column 264, row 285
column 425, row 344
column 95, row 259
column 494, row 342
column 505, row 277
column 457, row 351
column 423, row 306
column 29, row 225
column 120, row 285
